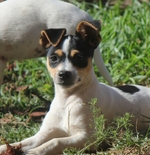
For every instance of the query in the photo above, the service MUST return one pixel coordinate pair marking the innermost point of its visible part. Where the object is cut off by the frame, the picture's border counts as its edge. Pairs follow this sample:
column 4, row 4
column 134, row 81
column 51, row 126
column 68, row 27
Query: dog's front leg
column 36, row 140
column 75, row 127
column 26, row 144
column 49, row 130
column 41, row 138
column 57, row 145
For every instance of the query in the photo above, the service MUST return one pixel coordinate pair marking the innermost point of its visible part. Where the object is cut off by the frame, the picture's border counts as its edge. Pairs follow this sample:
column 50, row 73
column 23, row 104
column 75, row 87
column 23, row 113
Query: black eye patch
column 79, row 52
column 76, row 51
column 55, row 57
column 79, row 60
column 54, row 60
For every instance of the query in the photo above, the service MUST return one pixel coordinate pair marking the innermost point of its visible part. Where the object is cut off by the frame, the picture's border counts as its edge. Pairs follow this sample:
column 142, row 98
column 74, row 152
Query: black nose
column 64, row 75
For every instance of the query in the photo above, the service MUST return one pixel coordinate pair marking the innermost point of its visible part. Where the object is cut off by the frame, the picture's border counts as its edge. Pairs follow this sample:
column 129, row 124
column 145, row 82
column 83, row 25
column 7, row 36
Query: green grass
column 125, row 48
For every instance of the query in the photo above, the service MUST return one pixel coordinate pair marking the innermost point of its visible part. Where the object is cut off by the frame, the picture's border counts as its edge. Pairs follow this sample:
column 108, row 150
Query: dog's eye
column 80, row 60
column 79, row 57
column 54, row 58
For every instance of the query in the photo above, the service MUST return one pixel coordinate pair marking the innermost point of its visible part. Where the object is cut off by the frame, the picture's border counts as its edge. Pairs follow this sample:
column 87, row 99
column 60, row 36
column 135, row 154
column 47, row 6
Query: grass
column 125, row 48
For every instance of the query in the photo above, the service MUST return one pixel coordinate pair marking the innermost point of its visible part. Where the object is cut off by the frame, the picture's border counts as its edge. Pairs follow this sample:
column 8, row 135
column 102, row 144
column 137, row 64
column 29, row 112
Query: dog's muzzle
column 64, row 75
column 66, row 78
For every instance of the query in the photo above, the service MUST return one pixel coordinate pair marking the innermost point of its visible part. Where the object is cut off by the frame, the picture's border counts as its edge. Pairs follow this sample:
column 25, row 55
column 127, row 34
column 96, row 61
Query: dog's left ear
column 51, row 37
column 89, row 32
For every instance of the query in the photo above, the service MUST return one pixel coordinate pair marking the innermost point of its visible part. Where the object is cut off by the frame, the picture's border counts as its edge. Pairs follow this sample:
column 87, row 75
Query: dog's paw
column 2, row 149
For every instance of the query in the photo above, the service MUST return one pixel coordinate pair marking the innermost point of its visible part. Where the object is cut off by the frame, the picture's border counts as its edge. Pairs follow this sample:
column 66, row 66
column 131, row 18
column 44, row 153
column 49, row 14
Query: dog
column 69, row 122
column 21, row 22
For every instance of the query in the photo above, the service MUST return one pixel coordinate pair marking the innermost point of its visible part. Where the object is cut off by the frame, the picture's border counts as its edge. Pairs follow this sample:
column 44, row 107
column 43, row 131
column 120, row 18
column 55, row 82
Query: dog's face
column 69, row 58
column 69, row 62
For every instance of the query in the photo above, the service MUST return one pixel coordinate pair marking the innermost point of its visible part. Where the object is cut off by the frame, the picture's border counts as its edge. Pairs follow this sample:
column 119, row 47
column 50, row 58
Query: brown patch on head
column 59, row 52
column 73, row 52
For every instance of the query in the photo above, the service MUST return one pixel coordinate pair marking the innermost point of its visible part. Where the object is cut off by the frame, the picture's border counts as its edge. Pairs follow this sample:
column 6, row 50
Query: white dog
column 69, row 123
column 22, row 20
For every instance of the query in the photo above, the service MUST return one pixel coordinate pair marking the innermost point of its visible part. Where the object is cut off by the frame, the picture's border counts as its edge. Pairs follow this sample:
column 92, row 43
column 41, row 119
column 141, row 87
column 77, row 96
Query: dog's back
column 116, row 101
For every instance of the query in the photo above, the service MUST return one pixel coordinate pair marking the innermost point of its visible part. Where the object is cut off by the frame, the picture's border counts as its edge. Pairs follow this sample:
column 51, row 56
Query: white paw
column 2, row 149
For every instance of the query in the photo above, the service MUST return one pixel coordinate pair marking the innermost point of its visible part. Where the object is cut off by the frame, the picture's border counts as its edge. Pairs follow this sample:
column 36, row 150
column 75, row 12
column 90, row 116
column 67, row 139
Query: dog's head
column 69, row 58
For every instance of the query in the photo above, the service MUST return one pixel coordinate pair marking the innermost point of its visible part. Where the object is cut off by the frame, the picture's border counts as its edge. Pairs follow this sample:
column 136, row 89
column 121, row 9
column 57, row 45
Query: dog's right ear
column 51, row 37
column 89, row 32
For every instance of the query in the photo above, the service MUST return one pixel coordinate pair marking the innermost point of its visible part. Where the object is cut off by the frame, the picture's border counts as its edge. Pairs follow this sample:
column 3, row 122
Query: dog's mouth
column 67, row 83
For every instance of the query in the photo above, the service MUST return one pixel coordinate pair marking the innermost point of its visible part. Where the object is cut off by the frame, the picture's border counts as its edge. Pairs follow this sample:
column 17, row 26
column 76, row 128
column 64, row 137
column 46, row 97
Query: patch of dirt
column 10, row 119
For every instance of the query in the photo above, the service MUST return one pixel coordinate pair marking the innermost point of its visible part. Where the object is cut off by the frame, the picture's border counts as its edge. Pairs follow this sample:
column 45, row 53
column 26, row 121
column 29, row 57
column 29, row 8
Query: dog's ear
column 89, row 32
column 51, row 37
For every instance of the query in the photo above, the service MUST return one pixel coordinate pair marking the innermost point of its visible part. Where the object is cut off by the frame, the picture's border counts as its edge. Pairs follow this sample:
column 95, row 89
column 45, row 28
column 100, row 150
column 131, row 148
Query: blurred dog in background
column 21, row 22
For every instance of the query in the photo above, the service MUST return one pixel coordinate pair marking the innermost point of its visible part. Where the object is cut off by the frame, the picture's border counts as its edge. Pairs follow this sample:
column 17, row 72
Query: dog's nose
column 64, row 75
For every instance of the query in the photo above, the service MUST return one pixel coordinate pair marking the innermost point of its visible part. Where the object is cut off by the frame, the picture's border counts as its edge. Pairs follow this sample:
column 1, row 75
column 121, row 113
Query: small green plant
column 119, row 128
column 70, row 151
column 117, row 135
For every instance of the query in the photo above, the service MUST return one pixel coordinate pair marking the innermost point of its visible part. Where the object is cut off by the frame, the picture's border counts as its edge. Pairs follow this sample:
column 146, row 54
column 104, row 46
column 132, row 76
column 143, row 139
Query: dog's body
column 21, row 22
column 69, row 123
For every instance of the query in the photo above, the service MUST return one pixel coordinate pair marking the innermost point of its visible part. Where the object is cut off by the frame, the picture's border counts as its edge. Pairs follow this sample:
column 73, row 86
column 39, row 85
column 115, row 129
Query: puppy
column 22, row 20
column 69, row 123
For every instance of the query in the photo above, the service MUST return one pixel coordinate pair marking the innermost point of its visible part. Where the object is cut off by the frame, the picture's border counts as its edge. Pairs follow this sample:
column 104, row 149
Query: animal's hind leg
column 2, row 67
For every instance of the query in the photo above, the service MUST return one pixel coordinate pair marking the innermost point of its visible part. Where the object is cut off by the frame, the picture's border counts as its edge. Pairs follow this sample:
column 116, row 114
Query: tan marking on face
column 89, row 66
column 83, row 72
column 59, row 52
column 73, row 52
column 52, row 71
